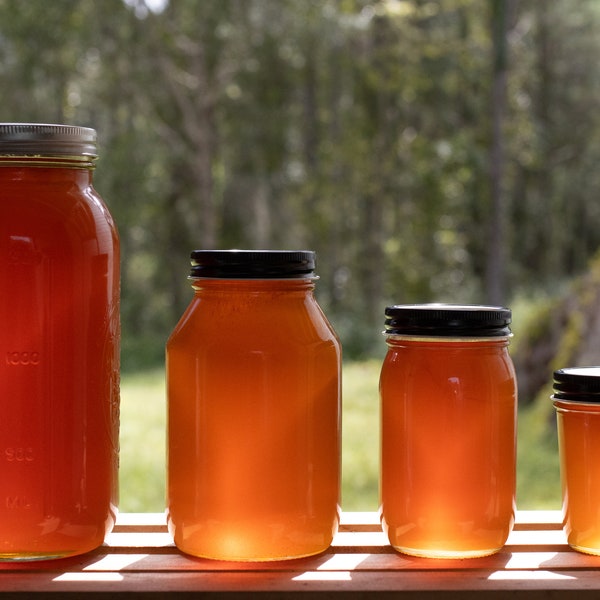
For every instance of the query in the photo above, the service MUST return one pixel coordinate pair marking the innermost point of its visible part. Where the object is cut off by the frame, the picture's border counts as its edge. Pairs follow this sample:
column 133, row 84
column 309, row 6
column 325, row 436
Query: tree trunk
column 496, row 247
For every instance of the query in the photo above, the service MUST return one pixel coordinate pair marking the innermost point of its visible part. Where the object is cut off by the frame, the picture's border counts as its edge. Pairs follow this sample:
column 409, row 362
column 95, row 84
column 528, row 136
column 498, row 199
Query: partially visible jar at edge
column 577, row 402
column 448, row 423
column 59, row 345
column 253, row 385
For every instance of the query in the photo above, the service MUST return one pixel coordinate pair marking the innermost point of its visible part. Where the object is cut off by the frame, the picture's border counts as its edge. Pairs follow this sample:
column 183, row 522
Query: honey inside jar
column 577, row 402
column 253, row 378
column 59, row 351
column 448, row 444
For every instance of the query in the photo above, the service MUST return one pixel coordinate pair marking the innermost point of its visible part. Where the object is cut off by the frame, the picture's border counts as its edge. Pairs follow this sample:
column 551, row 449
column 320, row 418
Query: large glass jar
column 253, row 384
column 59, row 345
column 577, row 402
column 448, row 427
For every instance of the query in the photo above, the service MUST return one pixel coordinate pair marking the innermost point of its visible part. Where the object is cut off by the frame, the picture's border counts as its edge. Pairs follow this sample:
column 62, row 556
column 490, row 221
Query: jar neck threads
column 252, row 286
column 398, row 340
column 48, row 162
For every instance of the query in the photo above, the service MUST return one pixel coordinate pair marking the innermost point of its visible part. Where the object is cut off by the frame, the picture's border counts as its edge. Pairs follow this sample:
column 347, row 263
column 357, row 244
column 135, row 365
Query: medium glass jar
column 253, row 386
column 448, row 430
column 59, row 345
column 577, row 402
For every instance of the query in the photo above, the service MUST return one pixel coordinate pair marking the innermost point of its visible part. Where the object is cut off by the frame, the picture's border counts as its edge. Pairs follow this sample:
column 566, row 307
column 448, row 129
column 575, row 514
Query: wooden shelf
column 139, row 560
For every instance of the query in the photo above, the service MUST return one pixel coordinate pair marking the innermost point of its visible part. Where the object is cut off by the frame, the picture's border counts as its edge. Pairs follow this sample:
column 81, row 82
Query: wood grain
column 139, row 560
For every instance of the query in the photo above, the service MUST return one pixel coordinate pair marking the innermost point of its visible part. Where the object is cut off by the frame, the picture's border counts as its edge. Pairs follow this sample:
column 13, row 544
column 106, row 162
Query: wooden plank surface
column 139, row 560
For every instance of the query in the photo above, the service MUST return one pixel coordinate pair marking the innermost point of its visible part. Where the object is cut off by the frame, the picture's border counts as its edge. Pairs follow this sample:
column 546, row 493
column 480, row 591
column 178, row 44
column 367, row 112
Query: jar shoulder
column 243, row 321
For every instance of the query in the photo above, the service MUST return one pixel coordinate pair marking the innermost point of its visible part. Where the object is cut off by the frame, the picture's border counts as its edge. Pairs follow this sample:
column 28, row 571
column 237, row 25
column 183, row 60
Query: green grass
column 143, row 450
column 538, row 475
column 360, row 435
column 143, row 409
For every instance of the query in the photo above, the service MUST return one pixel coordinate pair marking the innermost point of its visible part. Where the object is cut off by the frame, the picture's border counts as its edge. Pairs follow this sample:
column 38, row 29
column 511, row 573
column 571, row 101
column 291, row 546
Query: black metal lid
column 579, row 384
column 46, row 139
column 447, row 320
column 253, row 264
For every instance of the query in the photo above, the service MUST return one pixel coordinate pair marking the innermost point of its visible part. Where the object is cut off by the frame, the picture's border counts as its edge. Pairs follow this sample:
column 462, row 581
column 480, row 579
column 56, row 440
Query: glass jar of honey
column 59, row 345
column 577, row 402
column 253, row 386
column 448, row 430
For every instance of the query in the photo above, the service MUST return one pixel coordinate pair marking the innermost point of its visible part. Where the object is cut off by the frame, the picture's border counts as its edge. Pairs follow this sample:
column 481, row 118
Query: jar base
column 253, row 559
column 585, row 550
column 8, row 557
column 446, row 554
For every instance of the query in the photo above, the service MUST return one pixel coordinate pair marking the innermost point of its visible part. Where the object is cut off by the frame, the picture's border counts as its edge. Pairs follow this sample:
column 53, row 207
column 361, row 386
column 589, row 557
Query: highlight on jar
column 448, row 430
column 254, row 401
column 577, row 402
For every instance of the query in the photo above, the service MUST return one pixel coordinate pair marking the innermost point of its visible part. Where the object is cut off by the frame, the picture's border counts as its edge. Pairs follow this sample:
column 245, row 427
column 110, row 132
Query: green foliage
column 141, row 352
column 555, row 330
column 360, row 129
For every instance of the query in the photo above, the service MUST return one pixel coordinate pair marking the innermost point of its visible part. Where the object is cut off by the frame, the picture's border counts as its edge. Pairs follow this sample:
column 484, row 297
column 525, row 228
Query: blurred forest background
column 428, row 150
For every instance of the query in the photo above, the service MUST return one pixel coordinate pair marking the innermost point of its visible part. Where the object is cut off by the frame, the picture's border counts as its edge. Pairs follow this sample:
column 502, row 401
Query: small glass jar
column 448, row 430
column 577, row 402
column 59, row 345
column 253, row 386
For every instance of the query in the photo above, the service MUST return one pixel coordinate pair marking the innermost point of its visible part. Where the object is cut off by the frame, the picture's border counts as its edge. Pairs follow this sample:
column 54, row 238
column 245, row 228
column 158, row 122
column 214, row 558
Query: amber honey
column 59, row 347
column 253, row 380
column 448, row 429
column 577, row 403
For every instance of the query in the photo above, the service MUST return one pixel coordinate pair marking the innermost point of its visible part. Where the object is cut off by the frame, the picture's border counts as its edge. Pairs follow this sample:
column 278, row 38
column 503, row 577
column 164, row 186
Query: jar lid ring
column 44, row 139
column 448, row 320
column 253, row 264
